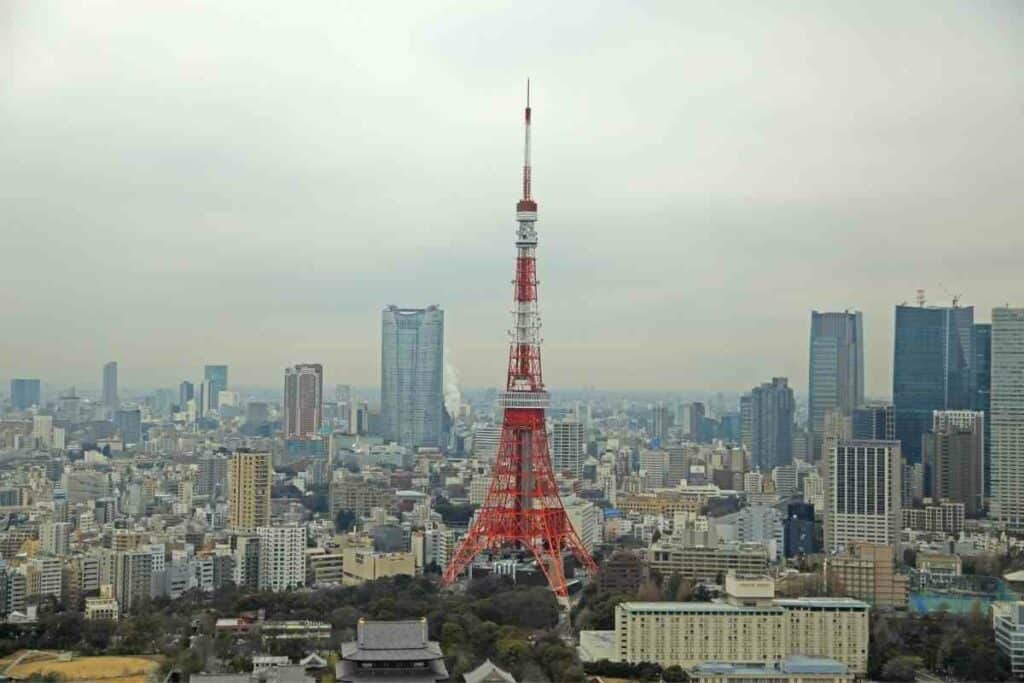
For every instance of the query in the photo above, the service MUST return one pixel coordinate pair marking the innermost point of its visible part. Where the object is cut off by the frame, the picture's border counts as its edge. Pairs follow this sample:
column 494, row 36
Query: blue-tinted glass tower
column 412, row 365
column 933, row 369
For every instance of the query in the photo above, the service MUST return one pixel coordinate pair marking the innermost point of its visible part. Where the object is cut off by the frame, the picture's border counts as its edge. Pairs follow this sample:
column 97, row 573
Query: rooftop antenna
column 920, row 298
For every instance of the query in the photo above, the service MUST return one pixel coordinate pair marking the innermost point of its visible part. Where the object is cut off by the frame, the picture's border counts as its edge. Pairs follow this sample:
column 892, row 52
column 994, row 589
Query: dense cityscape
column 423, row 529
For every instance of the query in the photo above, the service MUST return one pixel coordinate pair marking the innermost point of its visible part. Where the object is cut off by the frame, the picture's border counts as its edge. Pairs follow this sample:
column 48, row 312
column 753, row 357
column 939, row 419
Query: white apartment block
column 282, row 562
column 586, row 519
column 568, row 447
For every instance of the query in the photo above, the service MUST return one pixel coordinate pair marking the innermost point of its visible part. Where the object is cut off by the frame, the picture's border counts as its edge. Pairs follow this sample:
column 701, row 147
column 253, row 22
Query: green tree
column 902, row 668
column 674, row 674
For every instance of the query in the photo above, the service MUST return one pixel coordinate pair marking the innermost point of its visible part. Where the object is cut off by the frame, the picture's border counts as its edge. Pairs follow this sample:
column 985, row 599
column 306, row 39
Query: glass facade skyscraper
column 1008, row 416
column 217, row 376
column 25, row 393
column 836, row 372
column 983, row 391
column 110, row 385
column 933, row 369
column 412, row 365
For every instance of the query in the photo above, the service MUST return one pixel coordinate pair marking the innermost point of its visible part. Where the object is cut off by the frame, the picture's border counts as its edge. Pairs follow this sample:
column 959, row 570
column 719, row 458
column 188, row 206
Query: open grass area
column 106, row 669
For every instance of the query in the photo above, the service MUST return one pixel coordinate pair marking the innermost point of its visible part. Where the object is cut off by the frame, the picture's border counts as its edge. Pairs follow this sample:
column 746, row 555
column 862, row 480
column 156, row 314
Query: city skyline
column 741, row 176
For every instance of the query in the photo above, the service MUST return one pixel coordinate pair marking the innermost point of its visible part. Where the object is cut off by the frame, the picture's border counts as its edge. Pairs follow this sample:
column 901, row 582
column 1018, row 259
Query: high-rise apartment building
column 863, row 493
column 933, row 369
column 282, row 557
column 771, row 424
column 954, row 459
column 217, row 377
column 25, row 393
column 110, row 385
column 412, row 365
column 250, row 476
column 836, row 373
column 983, row 391
column 303, row 401
column 1008, row 416
column 212, row 478
column 568, row 447
column 129, row 424
column 132, row 578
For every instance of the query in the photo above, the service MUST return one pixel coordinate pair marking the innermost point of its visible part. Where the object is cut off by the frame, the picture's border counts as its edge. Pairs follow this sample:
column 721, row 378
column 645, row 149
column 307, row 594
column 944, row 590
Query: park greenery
column 513, row 626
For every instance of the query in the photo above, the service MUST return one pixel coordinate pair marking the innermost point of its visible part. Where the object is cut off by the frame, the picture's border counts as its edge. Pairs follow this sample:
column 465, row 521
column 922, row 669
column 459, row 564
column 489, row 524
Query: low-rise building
column 398, row 650
column 364, row 564
column 708, row 563
column 867, row 572
column 101, row 608
column 793, row 669
column 1008, row 623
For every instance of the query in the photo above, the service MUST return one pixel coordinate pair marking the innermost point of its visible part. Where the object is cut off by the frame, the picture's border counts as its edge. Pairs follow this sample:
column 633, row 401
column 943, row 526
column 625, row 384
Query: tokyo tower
column 523, row 510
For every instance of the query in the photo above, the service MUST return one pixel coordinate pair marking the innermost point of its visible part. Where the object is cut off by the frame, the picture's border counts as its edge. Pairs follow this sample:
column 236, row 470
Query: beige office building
column 364, row 564
column 690, row 633
column 867, row 572
column 250, row 476
column 707, row 563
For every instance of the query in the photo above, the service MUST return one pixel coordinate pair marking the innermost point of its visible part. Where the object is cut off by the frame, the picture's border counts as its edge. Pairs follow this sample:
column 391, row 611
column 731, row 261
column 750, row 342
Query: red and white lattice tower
column 523, row 510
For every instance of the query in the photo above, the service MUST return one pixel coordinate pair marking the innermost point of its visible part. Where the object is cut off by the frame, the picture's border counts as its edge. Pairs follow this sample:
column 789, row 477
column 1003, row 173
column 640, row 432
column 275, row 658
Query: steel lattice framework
column 523, row 509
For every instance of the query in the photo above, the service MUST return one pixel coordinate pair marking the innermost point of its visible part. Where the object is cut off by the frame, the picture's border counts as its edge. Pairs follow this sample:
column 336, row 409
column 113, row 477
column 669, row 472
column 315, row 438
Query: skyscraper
column 217, row 376
column 25, row 393
column 933, row 369
column 186, row 392
column 129, row 424
column 249, row 479
column 661, row 422
column 771, row 423
column 110, row 385
column 874, row 422
column 836, row 373
column 983, row 390
column 303, row 401
column 696, row 420
column 568, row 447
column 1008, row 416
column 863, row 493
column 954, row 458
column 412, row 362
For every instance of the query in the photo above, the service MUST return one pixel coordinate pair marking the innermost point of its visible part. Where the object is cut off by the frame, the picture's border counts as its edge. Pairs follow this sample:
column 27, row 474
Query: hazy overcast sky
column 247, row 182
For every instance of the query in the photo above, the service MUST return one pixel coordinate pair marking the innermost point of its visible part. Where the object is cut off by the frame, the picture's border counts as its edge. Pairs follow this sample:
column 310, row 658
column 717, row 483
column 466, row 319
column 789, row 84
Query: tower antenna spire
column 526, row 150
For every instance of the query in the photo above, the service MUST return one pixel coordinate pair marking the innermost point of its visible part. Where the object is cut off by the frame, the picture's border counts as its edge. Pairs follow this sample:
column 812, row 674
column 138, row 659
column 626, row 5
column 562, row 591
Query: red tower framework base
column 523, row 510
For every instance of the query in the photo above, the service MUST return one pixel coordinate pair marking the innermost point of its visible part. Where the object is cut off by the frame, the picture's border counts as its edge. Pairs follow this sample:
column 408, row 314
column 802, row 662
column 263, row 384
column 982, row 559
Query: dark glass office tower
column 25, row 393
column 933, row 369
column 874, row 422
column 836, row 369
column 983, row 391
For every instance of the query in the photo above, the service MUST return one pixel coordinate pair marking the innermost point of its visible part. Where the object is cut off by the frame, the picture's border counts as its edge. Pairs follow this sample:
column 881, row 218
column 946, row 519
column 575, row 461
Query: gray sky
column 251, row 182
